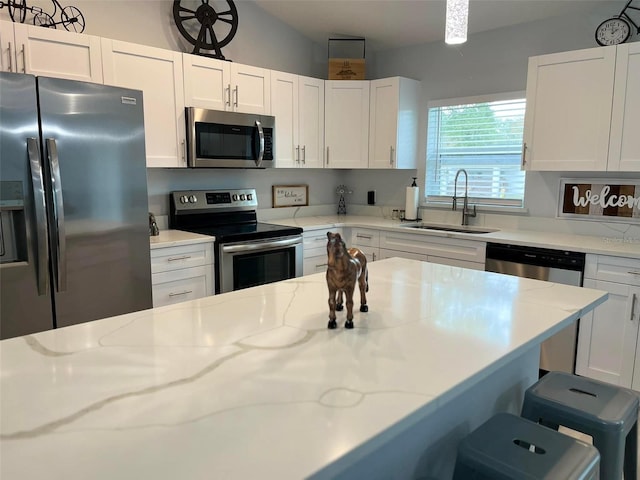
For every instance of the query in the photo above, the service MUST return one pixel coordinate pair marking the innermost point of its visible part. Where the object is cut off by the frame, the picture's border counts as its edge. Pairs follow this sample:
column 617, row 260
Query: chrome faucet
column 465, row 205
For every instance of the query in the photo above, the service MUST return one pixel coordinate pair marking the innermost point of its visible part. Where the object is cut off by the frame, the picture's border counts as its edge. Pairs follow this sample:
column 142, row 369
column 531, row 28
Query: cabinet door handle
column 327, row 155
column 633, row 306
column 524, row 154
column 235, row 90
column 24, row 60
column 10, row 65
column 184, row 150
column 373, row 255
column 391, row 155
column 177, row 294
column 304, row 154
column 227, row 100
column 183, row 257
column 297, row 153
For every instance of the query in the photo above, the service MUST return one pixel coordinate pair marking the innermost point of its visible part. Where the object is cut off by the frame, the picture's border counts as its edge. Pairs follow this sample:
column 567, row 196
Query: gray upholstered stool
column 606, row 412
column 508, row 447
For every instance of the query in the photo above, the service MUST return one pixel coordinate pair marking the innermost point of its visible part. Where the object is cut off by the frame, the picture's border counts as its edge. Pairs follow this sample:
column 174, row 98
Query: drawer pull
column 321, row 265
column 633, row 306
column 633, row 273
column 368, row 237
column 186, row 292
column 183, row 257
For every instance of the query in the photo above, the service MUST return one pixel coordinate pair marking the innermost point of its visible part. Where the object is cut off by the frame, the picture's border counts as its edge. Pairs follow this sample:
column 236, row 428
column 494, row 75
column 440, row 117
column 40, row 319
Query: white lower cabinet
column 435, row 249
column 315, row 250
column 182, row 273
column 368, row 241
column 608, row 347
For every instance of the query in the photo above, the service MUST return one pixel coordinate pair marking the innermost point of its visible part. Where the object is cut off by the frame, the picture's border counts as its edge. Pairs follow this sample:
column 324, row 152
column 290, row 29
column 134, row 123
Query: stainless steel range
column 247, row 252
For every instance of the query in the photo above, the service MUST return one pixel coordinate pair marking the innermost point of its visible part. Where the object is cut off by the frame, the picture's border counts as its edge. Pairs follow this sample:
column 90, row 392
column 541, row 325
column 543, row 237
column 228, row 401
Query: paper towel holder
column 412, row 202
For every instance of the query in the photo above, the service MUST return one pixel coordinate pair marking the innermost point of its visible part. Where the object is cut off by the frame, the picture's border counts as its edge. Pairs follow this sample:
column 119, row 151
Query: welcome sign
column 598, row 200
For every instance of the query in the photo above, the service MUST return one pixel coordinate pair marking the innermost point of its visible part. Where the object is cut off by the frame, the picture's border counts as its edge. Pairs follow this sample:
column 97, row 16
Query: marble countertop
column 173, row 238
column 251, row 384
column 564, row 241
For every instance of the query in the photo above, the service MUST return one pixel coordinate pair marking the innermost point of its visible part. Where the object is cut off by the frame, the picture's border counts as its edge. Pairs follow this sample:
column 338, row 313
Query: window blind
column 483, row 138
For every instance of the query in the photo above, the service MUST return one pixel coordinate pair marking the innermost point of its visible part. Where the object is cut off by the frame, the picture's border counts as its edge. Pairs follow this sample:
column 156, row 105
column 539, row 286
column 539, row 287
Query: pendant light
column 456, row 23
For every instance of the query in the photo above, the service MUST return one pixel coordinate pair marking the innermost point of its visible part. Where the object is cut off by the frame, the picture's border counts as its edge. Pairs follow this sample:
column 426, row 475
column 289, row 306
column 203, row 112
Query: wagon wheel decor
column 215, row 27
column 70, row 17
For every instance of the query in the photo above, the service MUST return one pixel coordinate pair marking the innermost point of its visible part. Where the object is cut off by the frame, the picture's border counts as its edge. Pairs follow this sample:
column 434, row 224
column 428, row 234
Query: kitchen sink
column 452, row 228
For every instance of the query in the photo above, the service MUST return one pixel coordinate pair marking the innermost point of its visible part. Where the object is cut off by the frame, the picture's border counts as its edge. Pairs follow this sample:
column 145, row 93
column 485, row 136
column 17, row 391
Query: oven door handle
column 249, row 247
column 261, row 143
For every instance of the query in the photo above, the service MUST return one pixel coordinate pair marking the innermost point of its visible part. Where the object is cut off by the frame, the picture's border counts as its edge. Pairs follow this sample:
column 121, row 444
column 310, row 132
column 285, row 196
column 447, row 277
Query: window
column 484, row 138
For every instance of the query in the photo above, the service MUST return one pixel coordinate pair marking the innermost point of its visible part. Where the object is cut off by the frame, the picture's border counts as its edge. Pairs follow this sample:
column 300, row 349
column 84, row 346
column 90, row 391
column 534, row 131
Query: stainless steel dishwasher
column 559, row 266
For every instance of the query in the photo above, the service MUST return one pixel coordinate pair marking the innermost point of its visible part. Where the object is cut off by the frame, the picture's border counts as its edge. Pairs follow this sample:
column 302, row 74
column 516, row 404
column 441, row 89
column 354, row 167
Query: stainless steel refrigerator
column 74, row 236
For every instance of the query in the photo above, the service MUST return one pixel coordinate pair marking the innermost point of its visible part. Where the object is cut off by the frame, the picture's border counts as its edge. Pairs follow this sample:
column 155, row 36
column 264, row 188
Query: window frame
column 439, row 200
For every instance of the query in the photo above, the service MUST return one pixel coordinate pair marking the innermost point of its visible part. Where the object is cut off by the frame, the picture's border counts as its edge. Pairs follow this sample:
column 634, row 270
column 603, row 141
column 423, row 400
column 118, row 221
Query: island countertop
column 251, row 384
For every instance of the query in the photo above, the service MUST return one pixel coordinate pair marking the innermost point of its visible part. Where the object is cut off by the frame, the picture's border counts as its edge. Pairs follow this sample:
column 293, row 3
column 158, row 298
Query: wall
column 494, row 62
column 261, row 39
column 490, row 62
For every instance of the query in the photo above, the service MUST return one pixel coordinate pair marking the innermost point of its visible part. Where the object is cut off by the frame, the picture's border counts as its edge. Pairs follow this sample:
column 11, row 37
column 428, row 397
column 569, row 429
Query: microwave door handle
column 261, row 143
column 39, row 202
column 58, row 213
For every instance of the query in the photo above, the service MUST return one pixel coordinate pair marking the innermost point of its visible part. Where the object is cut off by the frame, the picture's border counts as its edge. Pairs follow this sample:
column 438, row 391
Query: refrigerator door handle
column 42, row 233
column 58, row 214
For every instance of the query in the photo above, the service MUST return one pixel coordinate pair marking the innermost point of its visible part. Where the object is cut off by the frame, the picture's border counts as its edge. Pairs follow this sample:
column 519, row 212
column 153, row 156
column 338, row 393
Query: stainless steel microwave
column 217, row 139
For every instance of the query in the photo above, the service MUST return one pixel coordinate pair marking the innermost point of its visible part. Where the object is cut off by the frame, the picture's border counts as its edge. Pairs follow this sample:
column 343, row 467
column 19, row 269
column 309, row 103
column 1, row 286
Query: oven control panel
column 213, row 200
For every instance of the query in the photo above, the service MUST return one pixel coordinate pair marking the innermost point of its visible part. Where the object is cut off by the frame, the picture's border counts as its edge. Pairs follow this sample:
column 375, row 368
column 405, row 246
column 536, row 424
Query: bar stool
column 508, row 447
column 606, row 412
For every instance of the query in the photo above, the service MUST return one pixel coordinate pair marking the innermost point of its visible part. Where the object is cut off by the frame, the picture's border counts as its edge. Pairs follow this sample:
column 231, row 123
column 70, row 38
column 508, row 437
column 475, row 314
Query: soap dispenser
column 411, row 204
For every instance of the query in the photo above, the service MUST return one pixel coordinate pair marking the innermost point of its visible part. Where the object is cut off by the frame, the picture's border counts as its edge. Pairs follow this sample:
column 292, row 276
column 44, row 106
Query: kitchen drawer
column 182, row 285
column 314, row 264
column 365, row 237
column 316, row 240
column 454, row 262
column 436, row 246
column 613, row 269
column 183, row 256
column 384, row 253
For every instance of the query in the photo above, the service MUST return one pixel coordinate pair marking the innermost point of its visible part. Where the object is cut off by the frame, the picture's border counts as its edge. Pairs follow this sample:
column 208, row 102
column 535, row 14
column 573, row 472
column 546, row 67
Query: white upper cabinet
column 311, row 121
column 206, row 82
column 49, row 52
column 297, row 103
column 624, row 146
column 158, row 73
column 568, row 114
column 347, row 123
column 393, row 124
column 219, row 85
column 250, row 89
column 7, row 48
column 284, row 97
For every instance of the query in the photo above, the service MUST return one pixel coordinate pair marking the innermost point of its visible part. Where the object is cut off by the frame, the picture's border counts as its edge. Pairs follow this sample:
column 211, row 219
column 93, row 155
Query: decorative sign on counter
column 290, row 195
column 593, row 199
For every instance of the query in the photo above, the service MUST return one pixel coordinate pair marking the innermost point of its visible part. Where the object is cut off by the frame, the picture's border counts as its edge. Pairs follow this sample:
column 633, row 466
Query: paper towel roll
column 411, row 205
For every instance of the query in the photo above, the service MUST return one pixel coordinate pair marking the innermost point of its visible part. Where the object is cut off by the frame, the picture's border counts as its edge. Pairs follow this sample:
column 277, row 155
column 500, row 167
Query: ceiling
column 387, row 24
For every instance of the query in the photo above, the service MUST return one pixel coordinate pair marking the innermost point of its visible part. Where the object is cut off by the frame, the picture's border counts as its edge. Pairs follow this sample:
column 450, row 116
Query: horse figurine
column 344, row 268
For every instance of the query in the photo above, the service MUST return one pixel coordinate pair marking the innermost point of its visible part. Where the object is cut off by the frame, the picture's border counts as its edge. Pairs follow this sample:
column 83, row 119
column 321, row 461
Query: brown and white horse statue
column 344, row 269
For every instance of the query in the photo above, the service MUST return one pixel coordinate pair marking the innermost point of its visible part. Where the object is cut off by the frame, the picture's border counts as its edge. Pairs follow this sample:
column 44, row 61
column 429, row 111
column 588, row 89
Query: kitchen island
column 251, row 384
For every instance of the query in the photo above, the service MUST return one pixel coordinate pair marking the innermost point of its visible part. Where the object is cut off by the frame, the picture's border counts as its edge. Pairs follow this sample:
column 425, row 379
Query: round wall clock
column 613, row 31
